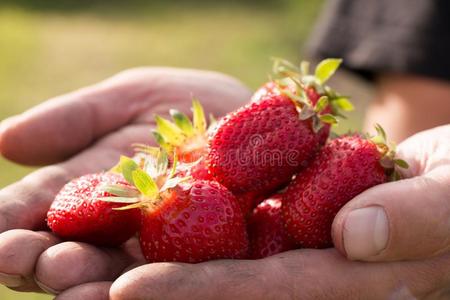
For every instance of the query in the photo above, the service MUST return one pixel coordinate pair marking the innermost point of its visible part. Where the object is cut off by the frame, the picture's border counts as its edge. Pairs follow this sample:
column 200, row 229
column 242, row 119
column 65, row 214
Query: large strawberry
column 261, row 145
column 184, row 219
column 344, row 168
column 266, row 229
column 194, row 222
column 77, row 213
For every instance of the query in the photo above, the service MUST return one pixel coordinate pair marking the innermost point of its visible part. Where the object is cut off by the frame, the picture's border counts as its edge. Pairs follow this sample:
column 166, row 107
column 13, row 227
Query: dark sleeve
column 396, row 36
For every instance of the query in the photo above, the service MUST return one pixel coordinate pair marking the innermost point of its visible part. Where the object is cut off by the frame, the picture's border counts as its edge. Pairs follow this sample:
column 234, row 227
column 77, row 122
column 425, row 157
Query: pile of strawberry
column 264, row 179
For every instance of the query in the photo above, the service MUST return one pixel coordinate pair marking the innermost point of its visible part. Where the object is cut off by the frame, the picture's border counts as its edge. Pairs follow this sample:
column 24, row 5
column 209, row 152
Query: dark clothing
column 395, row 36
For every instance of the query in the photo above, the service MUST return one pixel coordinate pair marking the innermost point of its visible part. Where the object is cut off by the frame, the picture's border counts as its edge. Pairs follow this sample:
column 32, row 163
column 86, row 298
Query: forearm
column 407, row 104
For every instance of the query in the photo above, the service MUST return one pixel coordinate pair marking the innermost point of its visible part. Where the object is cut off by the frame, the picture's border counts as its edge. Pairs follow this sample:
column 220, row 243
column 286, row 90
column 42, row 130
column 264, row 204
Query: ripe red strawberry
column 77, row 213
column 260, row 146
column 266, row 229
column 192, row 223
column 183, row 219
column 344, row 168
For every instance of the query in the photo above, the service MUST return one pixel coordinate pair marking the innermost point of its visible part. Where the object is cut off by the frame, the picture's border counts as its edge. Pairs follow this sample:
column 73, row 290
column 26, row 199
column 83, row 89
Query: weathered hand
column 412, row 258
column 85, row 132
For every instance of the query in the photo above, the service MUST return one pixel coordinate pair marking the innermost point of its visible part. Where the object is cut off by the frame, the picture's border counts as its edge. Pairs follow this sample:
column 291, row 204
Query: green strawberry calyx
column 148, row 174
column 294, row 81
column 181, row 134
column 387, row 149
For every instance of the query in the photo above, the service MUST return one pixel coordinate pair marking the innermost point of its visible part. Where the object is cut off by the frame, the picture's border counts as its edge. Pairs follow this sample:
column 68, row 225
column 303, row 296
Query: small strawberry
column 266, row 229
column 344, row 168
column 77, row 213
column 188, row 139
column 183, row 219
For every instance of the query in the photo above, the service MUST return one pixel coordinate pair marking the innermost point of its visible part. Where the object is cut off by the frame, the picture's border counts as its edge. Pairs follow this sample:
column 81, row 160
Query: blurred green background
column 52, row 47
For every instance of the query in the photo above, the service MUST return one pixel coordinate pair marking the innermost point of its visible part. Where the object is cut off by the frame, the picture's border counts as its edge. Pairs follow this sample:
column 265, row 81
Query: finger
column 407, row 219
column 19, row 251
column 93, row 290
column 200, row 281
column 25, row 203
column 304, row 274
column 40, row 136
column 86, row 263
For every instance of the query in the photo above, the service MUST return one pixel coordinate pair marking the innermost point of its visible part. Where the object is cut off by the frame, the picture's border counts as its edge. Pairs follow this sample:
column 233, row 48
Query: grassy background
column 52, row 47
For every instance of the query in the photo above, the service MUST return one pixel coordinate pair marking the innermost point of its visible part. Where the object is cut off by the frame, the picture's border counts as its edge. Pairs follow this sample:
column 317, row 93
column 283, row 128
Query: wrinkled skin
column 416, row 260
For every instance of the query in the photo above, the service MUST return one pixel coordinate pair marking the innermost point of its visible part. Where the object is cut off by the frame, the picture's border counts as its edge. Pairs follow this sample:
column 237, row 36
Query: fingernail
column 366, row 232
column 46, row 289
column 11, row 280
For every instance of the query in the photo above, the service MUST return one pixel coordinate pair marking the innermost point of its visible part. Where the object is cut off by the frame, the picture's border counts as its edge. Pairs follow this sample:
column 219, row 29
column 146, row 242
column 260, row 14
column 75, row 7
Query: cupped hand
column 411, row 260
column 83, row 132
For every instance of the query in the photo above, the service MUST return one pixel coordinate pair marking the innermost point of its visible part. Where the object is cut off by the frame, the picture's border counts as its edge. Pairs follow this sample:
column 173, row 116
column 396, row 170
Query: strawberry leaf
column 343, row 103
column 329, row 119
column 174, row 165
column 160, row 140
column 146, row 149
column 120, row 190
column 321, row 104
column 125, row 167
column 169, row 131
column 198, row 116
column 401, row 163
column 326, row 68
column 183, row 122
column 145, row 184
column 380, row 138
column 119, row 199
